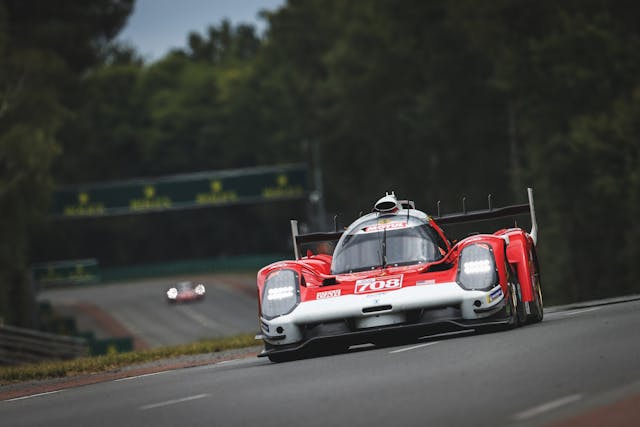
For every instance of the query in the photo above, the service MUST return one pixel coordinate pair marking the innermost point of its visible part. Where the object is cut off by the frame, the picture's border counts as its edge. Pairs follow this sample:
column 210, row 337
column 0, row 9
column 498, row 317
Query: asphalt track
column 140, row 309
column 574, row 361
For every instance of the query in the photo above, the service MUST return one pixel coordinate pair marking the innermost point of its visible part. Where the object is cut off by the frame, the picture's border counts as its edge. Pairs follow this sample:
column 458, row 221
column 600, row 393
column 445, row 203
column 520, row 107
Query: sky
column 157, row 26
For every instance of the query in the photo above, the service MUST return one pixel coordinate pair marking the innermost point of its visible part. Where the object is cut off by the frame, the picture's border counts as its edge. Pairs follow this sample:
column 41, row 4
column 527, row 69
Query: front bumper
column 358, row 318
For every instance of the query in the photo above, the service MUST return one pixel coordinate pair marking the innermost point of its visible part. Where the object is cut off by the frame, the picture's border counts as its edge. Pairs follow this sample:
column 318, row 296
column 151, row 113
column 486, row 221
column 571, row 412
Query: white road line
column 240, row 361
column 574, row 312
column 173, row 402
column 140, row 376
column 414, row 347
column 33, row 395
column 546, row 407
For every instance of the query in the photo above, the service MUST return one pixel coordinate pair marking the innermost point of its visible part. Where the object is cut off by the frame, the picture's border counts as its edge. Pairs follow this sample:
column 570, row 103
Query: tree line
column 434, row 100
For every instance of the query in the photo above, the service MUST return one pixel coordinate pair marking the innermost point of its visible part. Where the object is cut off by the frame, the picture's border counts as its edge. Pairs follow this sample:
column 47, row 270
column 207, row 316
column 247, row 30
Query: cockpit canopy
column 378, row 240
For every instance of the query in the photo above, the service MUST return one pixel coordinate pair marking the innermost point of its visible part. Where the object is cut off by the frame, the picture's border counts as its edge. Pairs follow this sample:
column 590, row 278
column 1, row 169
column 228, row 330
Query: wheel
column 537, row 308
column 512, row 311
column 515, row 307
column 521, row 312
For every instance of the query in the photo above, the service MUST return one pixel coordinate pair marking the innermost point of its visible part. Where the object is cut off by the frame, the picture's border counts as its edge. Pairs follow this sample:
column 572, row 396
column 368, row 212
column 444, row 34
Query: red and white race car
column 393, row 275
column 185, row 292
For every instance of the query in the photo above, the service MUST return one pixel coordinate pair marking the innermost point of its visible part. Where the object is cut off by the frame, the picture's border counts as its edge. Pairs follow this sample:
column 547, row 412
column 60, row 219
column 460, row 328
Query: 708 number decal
column 378, row 284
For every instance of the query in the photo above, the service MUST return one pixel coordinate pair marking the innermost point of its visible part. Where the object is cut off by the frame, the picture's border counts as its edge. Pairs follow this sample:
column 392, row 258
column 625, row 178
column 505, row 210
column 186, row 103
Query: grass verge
column 90, row 365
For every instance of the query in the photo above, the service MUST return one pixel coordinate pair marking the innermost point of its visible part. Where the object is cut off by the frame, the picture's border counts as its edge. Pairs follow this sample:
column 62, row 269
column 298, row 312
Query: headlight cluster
column 200, row 289
column 477, row 267
column 172, row 293
column 280, row 293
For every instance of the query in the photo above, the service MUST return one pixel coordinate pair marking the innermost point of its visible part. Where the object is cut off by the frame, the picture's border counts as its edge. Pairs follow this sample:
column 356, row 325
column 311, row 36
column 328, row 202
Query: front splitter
column 370, row 335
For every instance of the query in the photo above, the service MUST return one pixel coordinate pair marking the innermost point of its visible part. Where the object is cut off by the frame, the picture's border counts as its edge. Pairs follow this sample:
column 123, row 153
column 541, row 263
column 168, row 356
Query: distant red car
column 185, row 292
column 394, row 274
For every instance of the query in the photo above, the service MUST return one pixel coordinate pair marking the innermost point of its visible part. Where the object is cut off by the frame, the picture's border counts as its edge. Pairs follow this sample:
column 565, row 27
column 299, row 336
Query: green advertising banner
column 216, row 188
column 68, row 272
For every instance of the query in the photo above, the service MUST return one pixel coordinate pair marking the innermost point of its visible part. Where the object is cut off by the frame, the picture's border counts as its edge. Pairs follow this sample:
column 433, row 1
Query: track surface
column 572, row 362
column 140, row 309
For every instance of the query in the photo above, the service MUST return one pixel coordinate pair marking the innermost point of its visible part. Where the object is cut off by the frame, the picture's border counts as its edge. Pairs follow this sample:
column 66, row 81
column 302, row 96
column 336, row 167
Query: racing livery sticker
column 395, row 225
column 378, row 284
column 494, row 295
column 328, row 294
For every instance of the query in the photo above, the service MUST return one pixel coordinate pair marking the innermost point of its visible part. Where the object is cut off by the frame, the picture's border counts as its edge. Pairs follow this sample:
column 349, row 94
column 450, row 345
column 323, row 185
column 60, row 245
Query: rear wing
column 492, row 213
column 456, row 218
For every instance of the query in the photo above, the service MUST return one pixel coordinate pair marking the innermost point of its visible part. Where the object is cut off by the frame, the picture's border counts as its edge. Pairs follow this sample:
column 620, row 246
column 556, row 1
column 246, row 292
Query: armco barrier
column 19, row 345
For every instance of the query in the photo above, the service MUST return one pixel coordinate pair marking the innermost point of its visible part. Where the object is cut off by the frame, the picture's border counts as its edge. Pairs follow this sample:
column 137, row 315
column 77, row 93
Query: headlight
column 280, row 293
column 200, row 289
column 477, row 267
column 172, row 293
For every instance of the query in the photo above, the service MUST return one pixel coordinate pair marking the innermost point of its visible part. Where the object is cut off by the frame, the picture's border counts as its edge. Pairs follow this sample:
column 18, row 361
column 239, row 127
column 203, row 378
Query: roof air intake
column 388, row 203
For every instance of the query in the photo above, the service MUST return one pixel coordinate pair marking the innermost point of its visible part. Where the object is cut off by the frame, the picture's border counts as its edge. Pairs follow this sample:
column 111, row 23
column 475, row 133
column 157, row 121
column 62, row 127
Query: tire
column 516, row 308
column 513, row 311
column 537, row 307
column 521, row 312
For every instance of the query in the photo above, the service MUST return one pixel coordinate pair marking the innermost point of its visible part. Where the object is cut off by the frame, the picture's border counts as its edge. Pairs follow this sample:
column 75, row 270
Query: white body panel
column 400, row 301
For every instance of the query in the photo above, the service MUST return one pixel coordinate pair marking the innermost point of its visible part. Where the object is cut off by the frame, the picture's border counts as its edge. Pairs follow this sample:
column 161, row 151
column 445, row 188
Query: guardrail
column 19, row 345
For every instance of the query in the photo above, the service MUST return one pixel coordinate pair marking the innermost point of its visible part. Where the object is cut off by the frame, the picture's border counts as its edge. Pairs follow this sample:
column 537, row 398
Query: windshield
column 385, row 242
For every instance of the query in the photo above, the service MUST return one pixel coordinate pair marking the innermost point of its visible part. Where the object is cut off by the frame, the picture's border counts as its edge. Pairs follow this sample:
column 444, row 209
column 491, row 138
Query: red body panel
column 315, row 268
column 520, row 256
column 187, row 296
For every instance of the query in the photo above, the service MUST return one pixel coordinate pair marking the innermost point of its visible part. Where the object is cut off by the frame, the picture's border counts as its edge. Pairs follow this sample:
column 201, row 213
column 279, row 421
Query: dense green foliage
column 433, row 99
column 45, row 49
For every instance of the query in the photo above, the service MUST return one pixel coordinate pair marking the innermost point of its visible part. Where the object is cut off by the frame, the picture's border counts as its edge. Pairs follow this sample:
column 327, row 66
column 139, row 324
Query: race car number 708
column 378, row 284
